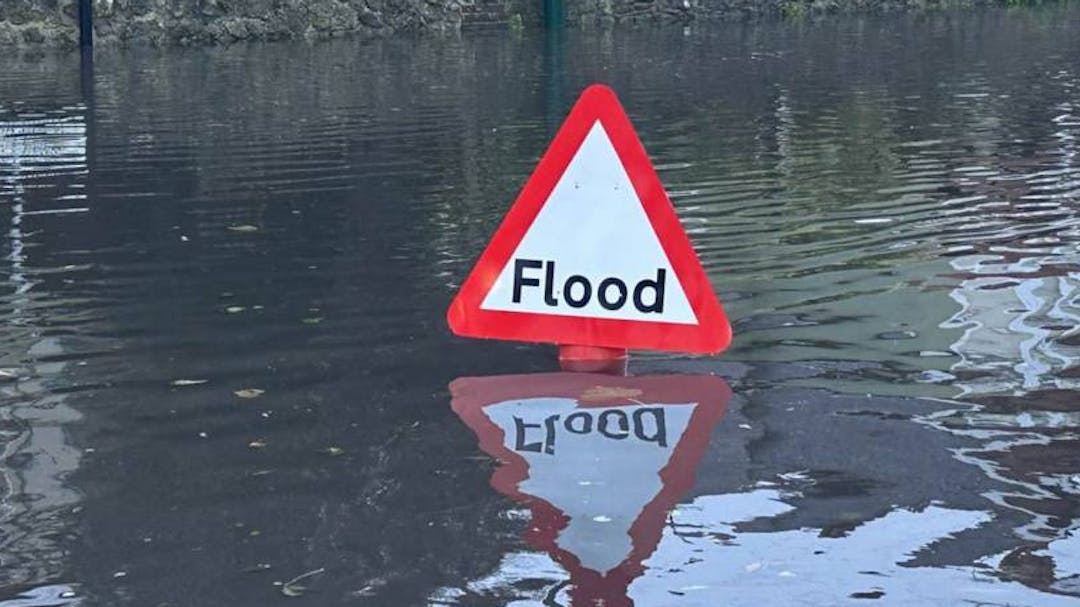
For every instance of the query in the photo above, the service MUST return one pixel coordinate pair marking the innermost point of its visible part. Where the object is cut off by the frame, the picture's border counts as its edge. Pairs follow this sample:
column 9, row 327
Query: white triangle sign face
column 576, row 239
column 592, row 252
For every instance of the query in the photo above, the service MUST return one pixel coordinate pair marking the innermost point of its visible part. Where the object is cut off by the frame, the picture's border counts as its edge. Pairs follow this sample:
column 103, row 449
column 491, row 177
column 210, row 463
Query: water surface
column 224, row 365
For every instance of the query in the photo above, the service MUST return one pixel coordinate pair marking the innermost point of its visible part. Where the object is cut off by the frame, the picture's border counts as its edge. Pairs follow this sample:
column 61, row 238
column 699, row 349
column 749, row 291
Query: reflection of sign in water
column 598, row 460
column 592, row 252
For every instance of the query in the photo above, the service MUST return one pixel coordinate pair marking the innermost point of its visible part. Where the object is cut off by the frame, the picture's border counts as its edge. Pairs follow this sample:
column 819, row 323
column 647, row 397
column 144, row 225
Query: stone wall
column 53, row 22
column 591, row 11
column 216, row 21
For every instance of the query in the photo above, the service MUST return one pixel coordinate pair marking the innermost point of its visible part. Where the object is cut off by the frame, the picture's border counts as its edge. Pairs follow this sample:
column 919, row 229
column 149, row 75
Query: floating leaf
column 188, row 382
column 600, row 393
column 244, row 228
column 249, row 393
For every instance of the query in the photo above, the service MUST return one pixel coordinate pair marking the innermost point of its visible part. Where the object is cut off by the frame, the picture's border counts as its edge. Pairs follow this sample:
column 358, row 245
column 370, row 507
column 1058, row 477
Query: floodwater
column 226, row 377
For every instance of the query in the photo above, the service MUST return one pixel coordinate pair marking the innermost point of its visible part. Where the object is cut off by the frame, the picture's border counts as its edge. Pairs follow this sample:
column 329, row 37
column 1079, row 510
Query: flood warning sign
column 592, row 252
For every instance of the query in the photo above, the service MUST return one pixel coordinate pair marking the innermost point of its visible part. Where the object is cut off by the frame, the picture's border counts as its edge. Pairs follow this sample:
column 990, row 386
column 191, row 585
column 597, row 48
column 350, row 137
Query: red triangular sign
column 592, row 252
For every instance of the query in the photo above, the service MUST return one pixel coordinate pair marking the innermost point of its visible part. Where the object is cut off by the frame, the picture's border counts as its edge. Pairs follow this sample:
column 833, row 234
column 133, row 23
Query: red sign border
column 712, row 334
column 471, row 394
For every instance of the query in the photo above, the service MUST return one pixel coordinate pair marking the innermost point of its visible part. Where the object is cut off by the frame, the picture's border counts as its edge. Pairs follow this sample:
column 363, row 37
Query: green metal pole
column 554, row 77
column 553, row 13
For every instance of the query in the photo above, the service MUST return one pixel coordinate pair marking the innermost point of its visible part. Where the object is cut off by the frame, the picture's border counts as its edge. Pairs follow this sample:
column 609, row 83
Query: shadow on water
column 223, row 366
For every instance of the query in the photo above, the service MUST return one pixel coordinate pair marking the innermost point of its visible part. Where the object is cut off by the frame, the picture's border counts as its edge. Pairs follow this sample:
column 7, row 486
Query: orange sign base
column 593, row 359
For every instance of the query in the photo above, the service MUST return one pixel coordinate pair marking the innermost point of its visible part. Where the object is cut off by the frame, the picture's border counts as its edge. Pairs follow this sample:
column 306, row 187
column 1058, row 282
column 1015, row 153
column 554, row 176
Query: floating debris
column 256, row 444
column 292, row 588
column 601, row 393
column 894, row 335
column 244, row 228
column 188, row 382
column 234, row 309
column 334, row 451
column 249, row 392
column 369, row 589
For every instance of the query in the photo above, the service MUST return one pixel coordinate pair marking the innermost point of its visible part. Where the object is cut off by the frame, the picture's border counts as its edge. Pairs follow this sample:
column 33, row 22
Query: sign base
column 593, row 359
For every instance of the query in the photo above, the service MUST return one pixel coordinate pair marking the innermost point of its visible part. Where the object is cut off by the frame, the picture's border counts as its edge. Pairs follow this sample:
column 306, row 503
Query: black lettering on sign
column 602, row 293
column 520, row 265
column 568, row 290
column 549, row 284
column 658, row 289
column 577, row 290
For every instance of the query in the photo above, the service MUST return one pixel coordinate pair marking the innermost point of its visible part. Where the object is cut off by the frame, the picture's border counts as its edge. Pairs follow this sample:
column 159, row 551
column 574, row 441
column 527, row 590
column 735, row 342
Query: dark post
column 553, row 13
column 86, row 23
column 554, row 77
